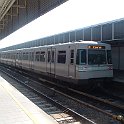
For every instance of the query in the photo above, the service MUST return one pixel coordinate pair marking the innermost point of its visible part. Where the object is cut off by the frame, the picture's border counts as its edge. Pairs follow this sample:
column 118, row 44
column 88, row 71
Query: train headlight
column 85, row 68
column 110, row 67
column 81, row 68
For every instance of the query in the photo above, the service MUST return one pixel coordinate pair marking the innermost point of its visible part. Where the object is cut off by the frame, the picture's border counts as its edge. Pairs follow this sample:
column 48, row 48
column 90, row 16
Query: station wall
column 118, row 57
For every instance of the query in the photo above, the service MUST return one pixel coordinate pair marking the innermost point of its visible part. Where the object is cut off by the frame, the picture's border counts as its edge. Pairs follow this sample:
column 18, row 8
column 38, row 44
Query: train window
column 23, row 56
column 61, row 57
column 37, row 58
column 20, row 56
column 17, row 56
column 26, row 56
column 9, row 56
column 42, row 56
column 109, row 57
column 81, row 57
column 49, row 56
column 13, row 56
column 29, row 56
column 96, row 57
column 6, row 55
column 72, row 56
column 32, row 56
column 52, row 60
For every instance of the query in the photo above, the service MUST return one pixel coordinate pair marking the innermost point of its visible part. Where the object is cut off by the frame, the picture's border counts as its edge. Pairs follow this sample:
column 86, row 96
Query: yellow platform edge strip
column 29, row 114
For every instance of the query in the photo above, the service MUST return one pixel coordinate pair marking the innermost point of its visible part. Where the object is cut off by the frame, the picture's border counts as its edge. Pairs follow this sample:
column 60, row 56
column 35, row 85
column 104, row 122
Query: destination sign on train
column 96, row 47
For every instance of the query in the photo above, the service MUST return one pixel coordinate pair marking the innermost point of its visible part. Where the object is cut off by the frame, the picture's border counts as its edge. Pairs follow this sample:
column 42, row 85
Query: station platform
column 118, row 76
column 15, row 108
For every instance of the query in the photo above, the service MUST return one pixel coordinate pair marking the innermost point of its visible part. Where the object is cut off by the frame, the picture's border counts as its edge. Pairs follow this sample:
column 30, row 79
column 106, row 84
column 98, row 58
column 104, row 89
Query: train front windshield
column 96, row 57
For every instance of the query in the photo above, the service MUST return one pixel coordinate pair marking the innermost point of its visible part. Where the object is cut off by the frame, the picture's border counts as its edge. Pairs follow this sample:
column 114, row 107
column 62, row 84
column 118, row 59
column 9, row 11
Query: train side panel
column 39, row 63
column 62, row 61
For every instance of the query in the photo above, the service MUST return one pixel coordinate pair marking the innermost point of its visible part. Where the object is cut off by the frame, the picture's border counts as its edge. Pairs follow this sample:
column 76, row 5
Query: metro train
column 80, row 62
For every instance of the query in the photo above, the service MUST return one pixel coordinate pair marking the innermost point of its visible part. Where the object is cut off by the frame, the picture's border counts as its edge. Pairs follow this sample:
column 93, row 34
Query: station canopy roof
column 4, row 7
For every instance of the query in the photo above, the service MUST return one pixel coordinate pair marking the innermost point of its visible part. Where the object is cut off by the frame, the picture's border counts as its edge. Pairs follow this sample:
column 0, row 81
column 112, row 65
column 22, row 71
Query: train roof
column 75, row 42
column 69, row 43
column 88, row 42
column 59, row 44
column 78, row 42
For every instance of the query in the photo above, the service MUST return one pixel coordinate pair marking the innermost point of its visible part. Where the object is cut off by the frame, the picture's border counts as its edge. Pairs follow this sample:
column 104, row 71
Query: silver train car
column 76, row 62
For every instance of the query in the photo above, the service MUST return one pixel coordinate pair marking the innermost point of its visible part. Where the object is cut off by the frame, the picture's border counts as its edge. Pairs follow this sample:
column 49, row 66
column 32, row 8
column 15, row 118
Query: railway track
column 85, row 102
column 60, row 113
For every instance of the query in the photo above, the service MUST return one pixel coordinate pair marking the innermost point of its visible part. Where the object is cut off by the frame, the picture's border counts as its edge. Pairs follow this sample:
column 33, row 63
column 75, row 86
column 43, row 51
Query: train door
column 20, row 59
column 16, row 59
column 71, row 64
column 51, row 60
column 31, row 60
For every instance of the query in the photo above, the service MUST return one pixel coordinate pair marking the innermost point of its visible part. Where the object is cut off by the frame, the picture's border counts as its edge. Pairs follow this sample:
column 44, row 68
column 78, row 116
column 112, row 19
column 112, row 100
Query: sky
column 71, row 15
